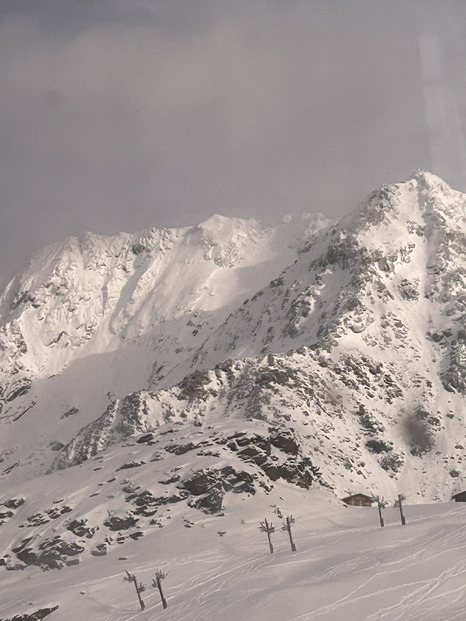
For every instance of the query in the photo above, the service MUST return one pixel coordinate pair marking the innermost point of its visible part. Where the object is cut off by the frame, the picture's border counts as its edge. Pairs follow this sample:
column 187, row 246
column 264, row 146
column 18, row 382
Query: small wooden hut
column 460, row 497
column 358, row 500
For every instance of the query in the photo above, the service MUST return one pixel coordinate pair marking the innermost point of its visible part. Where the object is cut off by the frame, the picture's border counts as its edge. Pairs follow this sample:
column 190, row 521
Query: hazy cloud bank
column 118, row 115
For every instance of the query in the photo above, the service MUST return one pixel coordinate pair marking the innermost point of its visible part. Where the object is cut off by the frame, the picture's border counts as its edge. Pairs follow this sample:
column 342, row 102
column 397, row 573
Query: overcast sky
column 125, row 114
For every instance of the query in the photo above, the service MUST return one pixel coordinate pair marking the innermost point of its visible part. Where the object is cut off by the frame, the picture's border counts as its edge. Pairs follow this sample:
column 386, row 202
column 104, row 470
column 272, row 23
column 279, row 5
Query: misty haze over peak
column 121, row 116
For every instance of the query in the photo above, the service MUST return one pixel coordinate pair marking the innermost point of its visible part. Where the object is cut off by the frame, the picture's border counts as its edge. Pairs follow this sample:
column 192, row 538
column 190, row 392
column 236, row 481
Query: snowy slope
column 345, row 565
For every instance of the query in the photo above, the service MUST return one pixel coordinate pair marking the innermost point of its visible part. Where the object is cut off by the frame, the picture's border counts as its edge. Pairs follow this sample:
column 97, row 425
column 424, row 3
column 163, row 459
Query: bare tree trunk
column 268, row 530
column 141, row 603
column 403, row 519
column 270, row 543
column 265, row 527
column 135, row 582
column 380, row 514
column 288, row 527
column 159, row 586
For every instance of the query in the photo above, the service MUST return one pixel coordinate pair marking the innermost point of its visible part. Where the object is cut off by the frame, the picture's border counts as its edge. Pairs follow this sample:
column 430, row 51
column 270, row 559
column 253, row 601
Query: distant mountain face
column 349, row 338
column 96, row 318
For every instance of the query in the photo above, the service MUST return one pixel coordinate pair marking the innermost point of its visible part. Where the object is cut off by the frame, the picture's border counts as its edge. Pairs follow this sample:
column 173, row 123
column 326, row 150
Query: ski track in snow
column 413, row 599
column 422, row 598
column 345, row 567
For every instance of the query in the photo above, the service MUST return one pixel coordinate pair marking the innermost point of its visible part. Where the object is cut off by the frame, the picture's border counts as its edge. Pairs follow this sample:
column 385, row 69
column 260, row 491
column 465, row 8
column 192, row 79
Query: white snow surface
column 219, row 567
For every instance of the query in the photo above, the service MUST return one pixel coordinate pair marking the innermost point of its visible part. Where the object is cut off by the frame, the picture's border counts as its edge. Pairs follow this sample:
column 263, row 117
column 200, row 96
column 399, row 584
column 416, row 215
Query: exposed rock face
column 120, row 523
column 79, row 528
column 209, row 487
column 121, row 420
column 14, row 503
column 33, row 616
column 50, row 553
column 186, row 470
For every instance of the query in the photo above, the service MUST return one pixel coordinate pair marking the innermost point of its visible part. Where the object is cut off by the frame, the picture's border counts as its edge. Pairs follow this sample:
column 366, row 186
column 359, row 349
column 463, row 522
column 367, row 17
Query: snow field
column 345, row 567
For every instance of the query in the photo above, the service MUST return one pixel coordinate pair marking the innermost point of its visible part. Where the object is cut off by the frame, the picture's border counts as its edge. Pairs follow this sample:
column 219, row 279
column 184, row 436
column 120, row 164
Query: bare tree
column 287, row 526
column 265, row 527
column 157, row 583
column 401, row 497
column 139, row 587
column 381, row 504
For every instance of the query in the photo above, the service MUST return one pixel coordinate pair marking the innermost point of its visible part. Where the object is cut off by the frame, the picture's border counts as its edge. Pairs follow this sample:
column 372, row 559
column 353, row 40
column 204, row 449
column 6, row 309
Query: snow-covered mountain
column 96, row 318
column 172, row 371
column 351, row 334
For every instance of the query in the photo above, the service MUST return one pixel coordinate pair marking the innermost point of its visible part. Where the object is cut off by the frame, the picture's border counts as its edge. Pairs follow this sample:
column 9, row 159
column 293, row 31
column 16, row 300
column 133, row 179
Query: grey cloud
column 118, row 114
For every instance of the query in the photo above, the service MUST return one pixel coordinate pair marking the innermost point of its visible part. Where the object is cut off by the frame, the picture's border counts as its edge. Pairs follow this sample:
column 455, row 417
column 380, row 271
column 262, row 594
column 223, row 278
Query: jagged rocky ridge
column 349, row 336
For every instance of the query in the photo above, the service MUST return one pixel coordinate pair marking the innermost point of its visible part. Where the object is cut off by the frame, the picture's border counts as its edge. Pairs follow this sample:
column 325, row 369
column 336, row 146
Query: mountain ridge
column 357, row 336
column 101, row 315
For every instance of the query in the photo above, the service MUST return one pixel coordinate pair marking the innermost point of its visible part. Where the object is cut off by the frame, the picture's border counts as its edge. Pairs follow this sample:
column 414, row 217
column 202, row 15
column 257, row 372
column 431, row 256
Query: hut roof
column 360, row 496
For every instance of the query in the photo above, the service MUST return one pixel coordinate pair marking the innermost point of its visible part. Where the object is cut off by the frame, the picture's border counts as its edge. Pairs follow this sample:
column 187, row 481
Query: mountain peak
column 427, row 179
